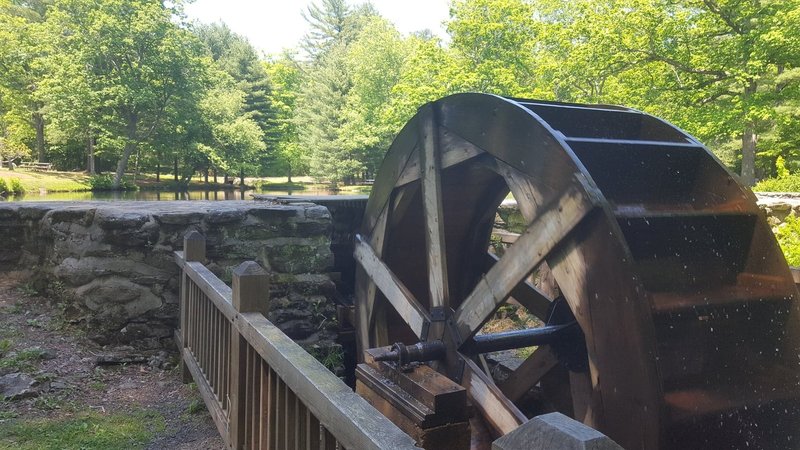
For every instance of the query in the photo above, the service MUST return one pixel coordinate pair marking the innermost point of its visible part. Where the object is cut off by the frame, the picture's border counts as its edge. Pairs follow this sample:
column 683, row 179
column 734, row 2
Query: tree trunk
column 749, row 141
column 130, row 146
column 90, row 169
column 176, row 168
column 136, row 164
column 205, row 177
column 289, row 175
column 241, row 177
column 38, row 125
column 158, row 170
column 215, row 176
column 122, row 165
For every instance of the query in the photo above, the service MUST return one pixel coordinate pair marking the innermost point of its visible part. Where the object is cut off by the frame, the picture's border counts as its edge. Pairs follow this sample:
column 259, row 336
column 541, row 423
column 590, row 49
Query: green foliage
column 118, row 81
column 788, row 183
column 331, row 356
column 23, row 360
column 15, row 186
column 85, row 431
column 3, row 187
column 788, row 235
column 196, row 406
column 106, row 182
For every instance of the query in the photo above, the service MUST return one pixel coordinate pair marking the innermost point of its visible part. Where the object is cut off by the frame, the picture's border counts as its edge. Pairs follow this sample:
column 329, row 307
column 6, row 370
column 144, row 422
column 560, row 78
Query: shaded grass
column 26, row 360
column 88, row 431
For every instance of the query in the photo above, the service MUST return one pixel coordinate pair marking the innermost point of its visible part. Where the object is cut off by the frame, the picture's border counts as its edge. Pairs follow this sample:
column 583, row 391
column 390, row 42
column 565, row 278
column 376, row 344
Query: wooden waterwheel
column 687, row 311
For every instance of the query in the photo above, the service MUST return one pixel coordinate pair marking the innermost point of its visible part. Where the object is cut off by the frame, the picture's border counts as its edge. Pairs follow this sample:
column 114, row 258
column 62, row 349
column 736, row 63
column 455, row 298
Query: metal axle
column 507, row 340
column 419, row 352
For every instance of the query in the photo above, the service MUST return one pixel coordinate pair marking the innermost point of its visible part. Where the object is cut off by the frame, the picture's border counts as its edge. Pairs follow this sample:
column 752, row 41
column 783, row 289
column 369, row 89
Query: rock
column 17, row 386
column 118, row 297
column 48, row 354
column 80, row 271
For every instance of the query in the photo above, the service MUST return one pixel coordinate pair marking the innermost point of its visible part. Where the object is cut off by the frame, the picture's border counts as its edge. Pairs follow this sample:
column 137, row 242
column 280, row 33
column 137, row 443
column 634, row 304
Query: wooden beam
column 455, row 150
column 366, row 290
column 550, row 228
column 392, row 288
column 498, row 411
column 529, row 373
column 432, row 209
column 534, row 300
column 580, row 386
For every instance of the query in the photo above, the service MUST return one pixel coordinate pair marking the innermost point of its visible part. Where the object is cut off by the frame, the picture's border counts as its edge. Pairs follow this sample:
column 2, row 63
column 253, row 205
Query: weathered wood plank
column 217, row 291
column 550, row 228
column 438, row 290
column 529, row 373
column 498, row 411
column 338, row 408
column 392, row 288
column 455, row 151
column 534, row 300
column 366, row 309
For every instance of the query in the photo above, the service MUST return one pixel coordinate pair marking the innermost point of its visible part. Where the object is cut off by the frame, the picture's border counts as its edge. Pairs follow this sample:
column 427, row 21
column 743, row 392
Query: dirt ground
column 71, row 381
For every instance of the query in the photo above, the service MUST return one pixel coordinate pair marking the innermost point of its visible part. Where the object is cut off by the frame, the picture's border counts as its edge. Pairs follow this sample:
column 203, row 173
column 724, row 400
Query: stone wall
column 111, row 263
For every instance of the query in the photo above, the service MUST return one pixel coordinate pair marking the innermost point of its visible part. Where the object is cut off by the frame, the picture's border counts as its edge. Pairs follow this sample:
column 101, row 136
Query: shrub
column 3, row 186
column 788, row 183
column 788, row 235
column 15, row 186
column 105, row 182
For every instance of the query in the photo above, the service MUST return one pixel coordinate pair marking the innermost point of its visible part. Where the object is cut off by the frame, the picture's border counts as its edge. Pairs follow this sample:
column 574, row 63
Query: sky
column 273, row 25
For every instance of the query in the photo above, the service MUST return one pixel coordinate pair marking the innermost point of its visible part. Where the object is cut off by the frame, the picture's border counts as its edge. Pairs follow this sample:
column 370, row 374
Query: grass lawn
column 53, row 181
column 129, row 430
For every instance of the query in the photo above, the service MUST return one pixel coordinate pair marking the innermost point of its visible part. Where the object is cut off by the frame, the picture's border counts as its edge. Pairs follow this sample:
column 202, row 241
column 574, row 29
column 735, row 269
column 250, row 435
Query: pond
column 231, row 194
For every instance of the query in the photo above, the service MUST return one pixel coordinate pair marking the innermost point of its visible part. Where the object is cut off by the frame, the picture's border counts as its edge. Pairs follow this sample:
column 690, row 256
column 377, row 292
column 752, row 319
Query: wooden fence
column 262, row 389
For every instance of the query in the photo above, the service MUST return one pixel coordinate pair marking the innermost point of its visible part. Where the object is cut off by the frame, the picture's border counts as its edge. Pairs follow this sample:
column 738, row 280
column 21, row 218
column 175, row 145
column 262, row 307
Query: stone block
column 554, row 431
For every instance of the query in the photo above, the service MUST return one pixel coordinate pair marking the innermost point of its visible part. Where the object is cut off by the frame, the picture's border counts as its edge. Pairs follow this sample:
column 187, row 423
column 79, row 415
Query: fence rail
column 262, row 389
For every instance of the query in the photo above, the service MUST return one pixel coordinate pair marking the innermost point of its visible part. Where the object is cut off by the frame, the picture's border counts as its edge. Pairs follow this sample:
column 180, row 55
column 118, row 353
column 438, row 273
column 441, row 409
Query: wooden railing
column 262, row 389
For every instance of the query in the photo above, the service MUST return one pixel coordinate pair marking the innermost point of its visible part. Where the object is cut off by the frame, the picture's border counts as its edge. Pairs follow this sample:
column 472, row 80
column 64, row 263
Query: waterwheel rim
column 430, row 215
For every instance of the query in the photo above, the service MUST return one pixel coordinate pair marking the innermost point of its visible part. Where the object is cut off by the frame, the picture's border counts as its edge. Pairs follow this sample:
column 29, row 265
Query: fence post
column 194, row 249
column 250, row 293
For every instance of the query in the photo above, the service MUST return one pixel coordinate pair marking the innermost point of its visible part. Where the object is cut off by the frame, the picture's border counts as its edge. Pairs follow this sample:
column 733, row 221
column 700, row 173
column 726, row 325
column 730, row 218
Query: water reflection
column 230, row 194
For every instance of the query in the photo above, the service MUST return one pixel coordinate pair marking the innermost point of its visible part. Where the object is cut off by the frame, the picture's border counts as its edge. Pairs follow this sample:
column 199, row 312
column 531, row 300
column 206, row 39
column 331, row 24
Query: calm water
column 160, row 195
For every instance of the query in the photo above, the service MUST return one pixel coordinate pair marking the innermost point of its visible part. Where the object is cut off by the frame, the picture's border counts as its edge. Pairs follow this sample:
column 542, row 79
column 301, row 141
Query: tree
column 21, row 55
column 329, row 26
column 711, row 66
column 286, row 77
column 139, row 62
column 374, row 61
column 320, row 111
column 236, row 56
column 493, row 45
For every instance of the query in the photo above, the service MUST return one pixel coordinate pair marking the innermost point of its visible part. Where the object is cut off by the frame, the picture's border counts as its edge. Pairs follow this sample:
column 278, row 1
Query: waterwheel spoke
column 430, row 166
column 392, row 288
column 453, row 150
column 498, row 411
column 519, row 260
column 529, row 373
column 534, row 300
column 367, row 309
